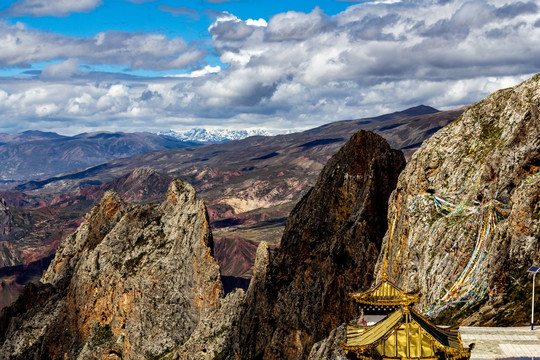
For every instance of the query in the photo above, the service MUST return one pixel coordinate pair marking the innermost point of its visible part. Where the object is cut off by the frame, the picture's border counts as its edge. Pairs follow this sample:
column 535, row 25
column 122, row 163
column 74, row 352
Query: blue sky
column 134, row 65
column 186, row 19
column 157, row 16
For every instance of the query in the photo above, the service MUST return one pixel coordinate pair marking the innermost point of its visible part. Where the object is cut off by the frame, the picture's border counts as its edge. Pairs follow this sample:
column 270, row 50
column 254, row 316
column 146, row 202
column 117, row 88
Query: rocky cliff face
column 329, row 248
column 6, row 219
column 133, row 282
column 464, row 221
column 8, row 252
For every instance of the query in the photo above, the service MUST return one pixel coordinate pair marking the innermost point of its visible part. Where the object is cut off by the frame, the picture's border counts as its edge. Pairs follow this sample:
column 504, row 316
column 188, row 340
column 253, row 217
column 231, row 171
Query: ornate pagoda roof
column 385, row 293
column 405, row 334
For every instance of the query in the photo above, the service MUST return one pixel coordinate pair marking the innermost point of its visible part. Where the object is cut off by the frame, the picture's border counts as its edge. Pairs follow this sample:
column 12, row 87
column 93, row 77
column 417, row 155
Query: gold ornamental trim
column 385, row 294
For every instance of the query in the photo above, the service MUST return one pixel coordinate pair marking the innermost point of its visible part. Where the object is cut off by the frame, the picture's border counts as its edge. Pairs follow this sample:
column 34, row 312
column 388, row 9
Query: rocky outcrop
column 9, row 254
column 464, row 221
column 6, row 219
column 331, row 347
column 329, row 248
column 212, row 335
column 133, row 282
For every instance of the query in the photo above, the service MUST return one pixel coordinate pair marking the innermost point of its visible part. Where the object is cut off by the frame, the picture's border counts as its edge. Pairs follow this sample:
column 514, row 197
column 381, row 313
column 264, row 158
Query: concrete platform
column 502, row 343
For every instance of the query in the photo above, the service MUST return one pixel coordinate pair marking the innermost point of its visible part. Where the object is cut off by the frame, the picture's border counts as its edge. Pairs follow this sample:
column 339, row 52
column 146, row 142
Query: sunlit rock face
column 329, row 248
column 132, row 282
column 464, row 221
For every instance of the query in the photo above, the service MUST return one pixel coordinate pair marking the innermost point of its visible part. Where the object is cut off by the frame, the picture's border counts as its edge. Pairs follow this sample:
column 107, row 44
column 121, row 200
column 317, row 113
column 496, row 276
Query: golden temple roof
column 405, row 334
column 385, row 293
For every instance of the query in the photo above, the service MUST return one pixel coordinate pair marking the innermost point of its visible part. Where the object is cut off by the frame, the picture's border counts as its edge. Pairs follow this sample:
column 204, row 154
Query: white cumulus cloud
column 20, row 46
column 297, row 70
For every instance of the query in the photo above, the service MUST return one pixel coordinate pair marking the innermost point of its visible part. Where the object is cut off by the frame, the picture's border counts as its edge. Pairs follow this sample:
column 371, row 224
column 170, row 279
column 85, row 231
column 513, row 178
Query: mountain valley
column 249, row 186
column 459, row 223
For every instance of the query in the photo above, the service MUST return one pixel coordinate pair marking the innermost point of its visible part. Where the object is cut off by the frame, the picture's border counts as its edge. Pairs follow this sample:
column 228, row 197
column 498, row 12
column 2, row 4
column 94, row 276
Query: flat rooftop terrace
column 502, row 343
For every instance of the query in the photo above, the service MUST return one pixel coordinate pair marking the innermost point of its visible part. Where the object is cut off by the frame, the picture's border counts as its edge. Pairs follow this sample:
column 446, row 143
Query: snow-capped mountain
column 216, row 136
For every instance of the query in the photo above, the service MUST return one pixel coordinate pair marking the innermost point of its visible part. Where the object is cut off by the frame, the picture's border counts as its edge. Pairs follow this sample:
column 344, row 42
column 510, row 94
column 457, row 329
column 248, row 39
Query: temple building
column 403, row 333
column 384, row 298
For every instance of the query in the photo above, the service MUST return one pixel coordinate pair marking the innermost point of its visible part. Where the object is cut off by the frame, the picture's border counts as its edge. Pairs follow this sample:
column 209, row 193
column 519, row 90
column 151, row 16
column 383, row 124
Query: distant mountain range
column 249, row 186
column 35, row 155
column 30, row 135
column 217, row 136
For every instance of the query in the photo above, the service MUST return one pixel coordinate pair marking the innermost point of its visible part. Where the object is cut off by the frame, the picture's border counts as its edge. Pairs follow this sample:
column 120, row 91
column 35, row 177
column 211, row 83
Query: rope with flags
column 471, row 284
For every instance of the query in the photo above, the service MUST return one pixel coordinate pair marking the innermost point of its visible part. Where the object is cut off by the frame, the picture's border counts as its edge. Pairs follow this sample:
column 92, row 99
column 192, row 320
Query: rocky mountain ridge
column 250, row 186
column 465, row 211
column 329, row 248
column 141, row 282
column 216, row 136
column 464, row 222
column 240, row 177
column 132, row 282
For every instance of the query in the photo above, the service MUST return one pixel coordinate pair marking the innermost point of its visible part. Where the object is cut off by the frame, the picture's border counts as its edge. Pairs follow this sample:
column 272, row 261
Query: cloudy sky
column 146, row 65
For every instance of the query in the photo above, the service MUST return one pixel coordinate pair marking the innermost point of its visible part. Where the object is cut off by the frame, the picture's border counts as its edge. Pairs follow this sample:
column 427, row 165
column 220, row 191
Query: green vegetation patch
column 490, row 133
column 102, row 334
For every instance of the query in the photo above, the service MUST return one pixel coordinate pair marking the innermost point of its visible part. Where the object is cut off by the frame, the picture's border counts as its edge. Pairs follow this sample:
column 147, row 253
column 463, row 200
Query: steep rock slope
column 132, row 282
column 464, row 221
column 6, row 219
column 8, row 253
column 36, row 233
column 329, row 248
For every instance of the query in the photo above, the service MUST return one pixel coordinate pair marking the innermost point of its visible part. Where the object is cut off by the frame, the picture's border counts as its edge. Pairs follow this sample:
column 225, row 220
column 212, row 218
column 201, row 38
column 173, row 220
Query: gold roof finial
column 384, row 275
